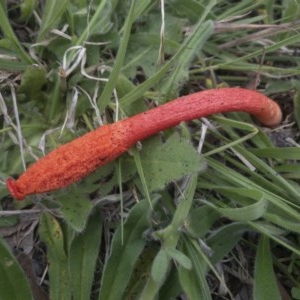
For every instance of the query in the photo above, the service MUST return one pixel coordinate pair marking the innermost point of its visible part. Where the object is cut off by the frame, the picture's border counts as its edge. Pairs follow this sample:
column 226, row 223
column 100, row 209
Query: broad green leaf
column 51, row 234
column 164, row 162
column 200, row 220
column 33, row 80
column 83, row 254
column 75, row 208
column 179, row 257
column 13, row 281
column 160, row 266
column 119, row 266
column 222, row 241
column 265, row 285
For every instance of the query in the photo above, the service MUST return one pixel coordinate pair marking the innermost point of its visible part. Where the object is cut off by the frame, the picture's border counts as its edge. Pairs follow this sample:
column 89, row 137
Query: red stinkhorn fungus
column 78, row 158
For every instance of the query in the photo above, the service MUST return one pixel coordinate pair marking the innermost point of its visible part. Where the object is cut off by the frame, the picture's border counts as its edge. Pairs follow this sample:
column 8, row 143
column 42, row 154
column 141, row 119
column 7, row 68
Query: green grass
column 228, row 215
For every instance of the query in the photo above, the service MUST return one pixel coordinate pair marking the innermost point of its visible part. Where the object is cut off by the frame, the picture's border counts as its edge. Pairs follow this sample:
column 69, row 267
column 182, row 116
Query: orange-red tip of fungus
column 275, row 116
column 11, row 185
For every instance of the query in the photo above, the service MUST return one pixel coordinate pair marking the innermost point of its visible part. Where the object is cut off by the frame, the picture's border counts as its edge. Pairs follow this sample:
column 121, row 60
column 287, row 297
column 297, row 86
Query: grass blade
column 10, row 35
column 109, row 87
column 83, row 255
column 264, row 278
column 194, row 281
column 51, row 233
column 119, row 265
column 13, row 283
column 53, row 11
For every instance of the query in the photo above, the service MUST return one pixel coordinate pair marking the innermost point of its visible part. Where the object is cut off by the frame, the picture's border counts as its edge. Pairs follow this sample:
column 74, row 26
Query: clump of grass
column 234, row 210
